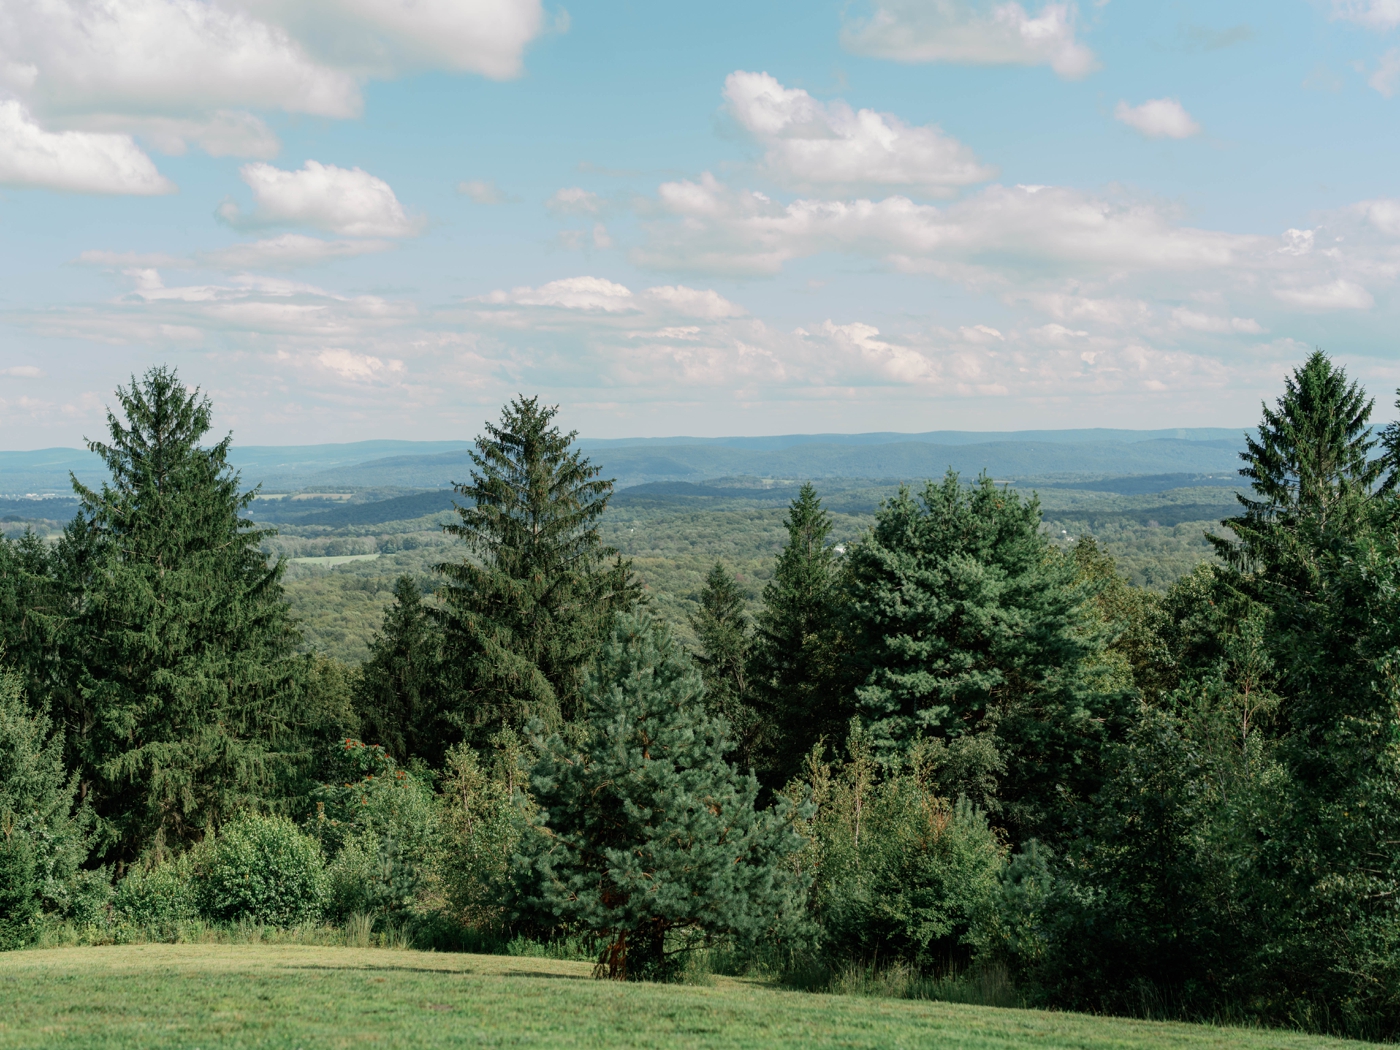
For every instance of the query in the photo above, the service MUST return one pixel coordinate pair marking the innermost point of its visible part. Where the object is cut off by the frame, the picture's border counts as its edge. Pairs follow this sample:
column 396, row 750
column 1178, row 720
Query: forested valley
column 935, row 738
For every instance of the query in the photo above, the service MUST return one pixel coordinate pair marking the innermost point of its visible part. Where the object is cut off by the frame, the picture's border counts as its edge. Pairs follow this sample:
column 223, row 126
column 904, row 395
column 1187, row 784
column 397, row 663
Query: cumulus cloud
column 345, row 201
column 1340, row 294
column 182, row 72
column 574, row 200
column 23, row 372
column 717, row 228
column 226, row 133
column 694, row 302
column 390, row 37
column 483, row 191
column 1158, row 118
column 73, row 161
column 570, row 293
column 1374, row 14
column 1199, row 322
column 976, row 32
column 1385, row 78
column 349, row 365
column 1383, row 214
column 808, row 143
column 288, row 251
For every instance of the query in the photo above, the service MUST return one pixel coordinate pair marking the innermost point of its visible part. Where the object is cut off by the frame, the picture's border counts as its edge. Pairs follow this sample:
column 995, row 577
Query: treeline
column 949, row 747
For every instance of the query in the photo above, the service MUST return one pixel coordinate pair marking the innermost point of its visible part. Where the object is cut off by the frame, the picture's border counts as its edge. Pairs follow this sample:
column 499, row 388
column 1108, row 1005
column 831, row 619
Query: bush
column 263, row 870
column 381, row 826
column 19, row 891
column 902, row 874
column 157, row 896
column 481, row 827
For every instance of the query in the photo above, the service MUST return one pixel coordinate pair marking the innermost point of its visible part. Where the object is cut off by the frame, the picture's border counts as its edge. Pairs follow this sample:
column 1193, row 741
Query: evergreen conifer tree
column 645, row 832
column 43, row 833
column 185, row 681
column 398, row 694
column 722, row 629
column 966, row 623
column 1312, row 469
column 525, row 612
column 797, row 668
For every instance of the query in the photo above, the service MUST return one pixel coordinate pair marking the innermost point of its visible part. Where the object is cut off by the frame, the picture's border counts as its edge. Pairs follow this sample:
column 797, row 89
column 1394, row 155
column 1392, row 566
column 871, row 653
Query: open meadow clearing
column 287, row 996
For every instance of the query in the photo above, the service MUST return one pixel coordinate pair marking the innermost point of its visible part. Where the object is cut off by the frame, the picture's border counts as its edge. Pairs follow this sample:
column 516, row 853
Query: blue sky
column 381, row 218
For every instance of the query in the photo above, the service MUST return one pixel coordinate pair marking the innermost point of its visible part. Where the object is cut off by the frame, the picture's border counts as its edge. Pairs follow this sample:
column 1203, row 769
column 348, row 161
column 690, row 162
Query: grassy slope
column 213, row 996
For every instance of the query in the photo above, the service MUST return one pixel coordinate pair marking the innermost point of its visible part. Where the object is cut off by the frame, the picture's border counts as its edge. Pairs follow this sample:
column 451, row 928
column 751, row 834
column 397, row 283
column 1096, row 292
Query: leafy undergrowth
column 289, row 995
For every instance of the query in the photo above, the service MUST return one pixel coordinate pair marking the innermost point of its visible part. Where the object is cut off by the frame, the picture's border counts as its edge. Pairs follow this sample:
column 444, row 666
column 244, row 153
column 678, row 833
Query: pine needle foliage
column 645, row 833
column 398, row 693
column 1311, row 467
column 724, row 633
column 43, row 831
column 797, row 664
column 525, row 610
column 186, row 679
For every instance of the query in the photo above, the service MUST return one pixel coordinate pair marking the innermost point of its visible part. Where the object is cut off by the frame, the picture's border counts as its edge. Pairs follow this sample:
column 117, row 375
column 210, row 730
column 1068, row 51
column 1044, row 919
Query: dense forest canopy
column 939, row 735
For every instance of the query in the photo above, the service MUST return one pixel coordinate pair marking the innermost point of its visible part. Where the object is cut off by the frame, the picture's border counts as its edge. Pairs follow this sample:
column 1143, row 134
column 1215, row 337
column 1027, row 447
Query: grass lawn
column 289, row 996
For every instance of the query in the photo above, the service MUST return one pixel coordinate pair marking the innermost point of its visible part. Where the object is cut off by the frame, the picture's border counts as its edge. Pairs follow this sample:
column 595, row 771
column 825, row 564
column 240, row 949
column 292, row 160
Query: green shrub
column 263, row 870
column 157, row 896
column 19, row 891
column 380, row 824
column 481, row 827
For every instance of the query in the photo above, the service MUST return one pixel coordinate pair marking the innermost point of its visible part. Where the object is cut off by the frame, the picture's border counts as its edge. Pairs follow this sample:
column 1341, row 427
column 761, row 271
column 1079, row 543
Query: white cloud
column 976, row 32
column 1386, row 78
column 1383, row 214
column 1340, row 294
column 1158, row 118
column 810, row 143
column 1199, row 322
column 23, row 372
column 483, row 191
column 390, row 37
column 226, row 133
column 349, row 365
column 288, row 251
column 570, row 293
column 574, row 200
column 1374, row 14
column 997, row 231
column 168, row 57
column 900, row 364
column 176, row 72
column 345, row 201
column 74, row 161
column 694, row 302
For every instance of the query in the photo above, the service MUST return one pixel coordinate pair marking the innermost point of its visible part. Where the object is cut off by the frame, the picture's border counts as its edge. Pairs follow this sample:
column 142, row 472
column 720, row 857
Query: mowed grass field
column 290, row 996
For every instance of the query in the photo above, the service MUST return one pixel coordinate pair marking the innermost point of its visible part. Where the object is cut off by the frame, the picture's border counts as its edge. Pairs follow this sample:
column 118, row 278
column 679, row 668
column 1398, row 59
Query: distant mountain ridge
column 437, row 464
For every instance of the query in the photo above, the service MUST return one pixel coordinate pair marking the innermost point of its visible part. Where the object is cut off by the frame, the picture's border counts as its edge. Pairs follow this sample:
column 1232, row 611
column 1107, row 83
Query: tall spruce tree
column 525, row 611
column 646, row 832
column 796, row 671
column 185, row 685
column 1312, row 468
column 399, row 689
column 722, row 630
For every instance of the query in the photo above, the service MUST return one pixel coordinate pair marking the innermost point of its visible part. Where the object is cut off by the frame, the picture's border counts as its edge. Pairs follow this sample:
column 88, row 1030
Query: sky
column 352, row 219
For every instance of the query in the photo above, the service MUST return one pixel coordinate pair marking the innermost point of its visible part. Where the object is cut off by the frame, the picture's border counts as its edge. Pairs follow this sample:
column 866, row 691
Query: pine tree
column 186, row 683
column 796, row 670
column 43, row 833
column 966, row 623
column 1311, row 467
column 722, row 629
column 398, row 694
column 645, row 833
column 524, row 614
